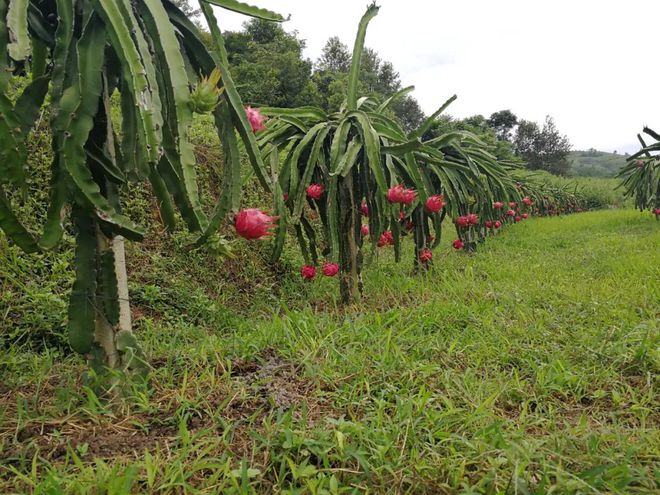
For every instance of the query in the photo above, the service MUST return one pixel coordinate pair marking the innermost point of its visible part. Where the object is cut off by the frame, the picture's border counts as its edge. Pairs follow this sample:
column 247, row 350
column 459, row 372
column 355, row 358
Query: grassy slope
column 596, row 164
column 531, row 365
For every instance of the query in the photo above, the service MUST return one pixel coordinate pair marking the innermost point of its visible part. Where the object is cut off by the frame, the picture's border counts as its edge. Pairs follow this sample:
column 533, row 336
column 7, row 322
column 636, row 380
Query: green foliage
column 408, row 111
column 82, row 304
column 486, row 375
column 268, row 65
column 33, row 298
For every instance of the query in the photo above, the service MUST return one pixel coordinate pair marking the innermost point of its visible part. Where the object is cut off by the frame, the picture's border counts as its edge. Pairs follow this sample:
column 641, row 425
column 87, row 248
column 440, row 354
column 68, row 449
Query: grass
column 530, row 367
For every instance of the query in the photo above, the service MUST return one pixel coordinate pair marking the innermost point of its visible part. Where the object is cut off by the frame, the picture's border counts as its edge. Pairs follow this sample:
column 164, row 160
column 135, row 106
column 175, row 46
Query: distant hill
column 593, row 163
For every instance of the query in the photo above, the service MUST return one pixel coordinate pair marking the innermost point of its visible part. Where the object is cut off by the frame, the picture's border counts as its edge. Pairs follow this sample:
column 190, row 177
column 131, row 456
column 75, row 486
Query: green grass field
column 530, row 367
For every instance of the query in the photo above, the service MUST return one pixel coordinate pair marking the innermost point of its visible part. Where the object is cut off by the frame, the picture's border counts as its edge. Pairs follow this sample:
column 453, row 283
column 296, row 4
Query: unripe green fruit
column 205, row 96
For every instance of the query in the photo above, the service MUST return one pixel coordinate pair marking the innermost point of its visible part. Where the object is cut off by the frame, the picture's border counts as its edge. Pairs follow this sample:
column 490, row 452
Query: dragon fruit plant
column 640, row 178
column 348, row 167
column 150, row 54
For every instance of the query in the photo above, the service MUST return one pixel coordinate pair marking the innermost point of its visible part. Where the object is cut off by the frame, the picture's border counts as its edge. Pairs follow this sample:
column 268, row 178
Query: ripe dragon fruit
column 255, row 119
column 315, row 191
column 434, row 204
column 308, row 272
column 425, row 255
column 253, row 223
column 330, row 269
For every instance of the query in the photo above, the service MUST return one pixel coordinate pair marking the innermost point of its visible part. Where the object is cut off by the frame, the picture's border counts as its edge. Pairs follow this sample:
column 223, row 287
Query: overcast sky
column 589, row 64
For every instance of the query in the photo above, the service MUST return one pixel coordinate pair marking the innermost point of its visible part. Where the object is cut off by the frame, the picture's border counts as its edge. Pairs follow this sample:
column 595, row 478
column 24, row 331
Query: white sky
column 589, row 64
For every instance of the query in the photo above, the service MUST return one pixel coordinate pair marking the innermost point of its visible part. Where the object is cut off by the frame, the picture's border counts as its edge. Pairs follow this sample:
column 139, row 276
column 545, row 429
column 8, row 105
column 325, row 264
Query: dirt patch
column 274, row 381
column 89, row 440
column 258, row 389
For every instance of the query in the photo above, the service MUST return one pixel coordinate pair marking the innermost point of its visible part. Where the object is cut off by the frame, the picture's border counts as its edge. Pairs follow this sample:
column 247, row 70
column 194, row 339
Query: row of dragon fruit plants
column 352, row 177
column 364, row 180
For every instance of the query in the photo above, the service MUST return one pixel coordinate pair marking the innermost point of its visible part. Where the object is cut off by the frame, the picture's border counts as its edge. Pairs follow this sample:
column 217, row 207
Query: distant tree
column 525, row 142
column 369, row 70
column 614, row 152
column 409, row 112
column 555, row 148
column 336, row 91
column 186, row 8
column 503, row 122
column 388, row 78
column 476, row 122
column 264, row 32
column 268, row 65
column 331, row 73
column 543, row 148
column 335, row 56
